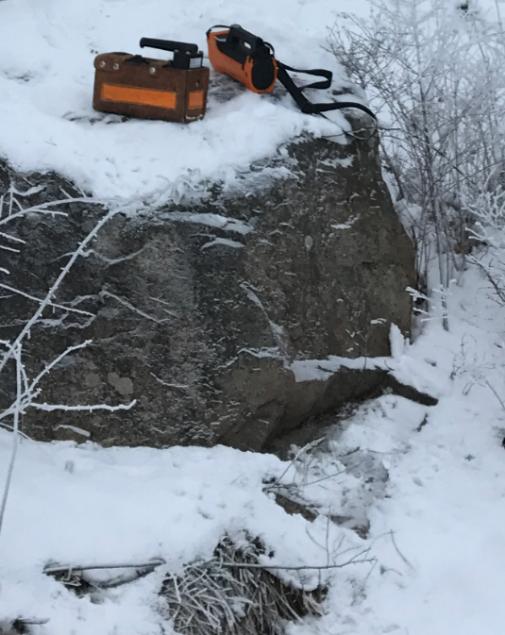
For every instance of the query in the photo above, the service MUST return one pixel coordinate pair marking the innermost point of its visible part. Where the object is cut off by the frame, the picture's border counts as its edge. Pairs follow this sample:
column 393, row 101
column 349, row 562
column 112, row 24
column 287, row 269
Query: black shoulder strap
column 303, row 103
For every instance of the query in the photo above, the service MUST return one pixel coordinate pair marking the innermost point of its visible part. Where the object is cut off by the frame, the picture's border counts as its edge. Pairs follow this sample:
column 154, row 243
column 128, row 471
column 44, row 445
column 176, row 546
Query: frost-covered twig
column 25, row 399
column 133, row 308
column 15, row 437
column 300, row 452
column 44, row 208
column 28, row 390
column 64, row 568
column 397, row 549
column 359, row 558
column 55, row 286
column 11, row 209
column 50, row 407
column 54, row 305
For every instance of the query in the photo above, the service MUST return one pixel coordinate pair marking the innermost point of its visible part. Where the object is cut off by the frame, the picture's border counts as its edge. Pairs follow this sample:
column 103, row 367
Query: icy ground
column 46, row 81
column 437, row 526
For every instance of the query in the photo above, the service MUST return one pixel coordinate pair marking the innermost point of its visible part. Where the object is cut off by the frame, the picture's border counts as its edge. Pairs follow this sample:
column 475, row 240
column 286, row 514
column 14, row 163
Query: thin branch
column 52, row 291
column 60, row 568
column 53, row 305
column 45, row 208
column 49, row 367
column 15, row 438
column 47, row 407
column 357, row 559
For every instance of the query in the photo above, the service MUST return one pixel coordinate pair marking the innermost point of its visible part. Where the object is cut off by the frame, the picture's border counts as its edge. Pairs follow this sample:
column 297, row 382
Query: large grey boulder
column 203, row 311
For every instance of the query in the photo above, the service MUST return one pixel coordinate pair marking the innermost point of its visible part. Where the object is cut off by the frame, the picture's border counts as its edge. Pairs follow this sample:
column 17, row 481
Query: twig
column 45, row 208
column 404, row 558
column 60, row 568
column 46, row 407
column 495, row 393
column 15, row 438
column 50, row 294
column 357, row 559
column 54, row 305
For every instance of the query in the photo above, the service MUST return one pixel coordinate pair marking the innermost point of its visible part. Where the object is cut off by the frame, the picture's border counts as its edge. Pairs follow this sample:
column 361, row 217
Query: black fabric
column 240, row 44
column 303, row 103
column 263, row 71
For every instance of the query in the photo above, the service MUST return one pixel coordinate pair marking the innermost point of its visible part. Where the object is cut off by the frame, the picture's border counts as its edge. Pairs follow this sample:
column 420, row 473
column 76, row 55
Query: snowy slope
column 437, row 533
column 446, row 500
column 46, row 77
column 441, row 570
column 74, row 504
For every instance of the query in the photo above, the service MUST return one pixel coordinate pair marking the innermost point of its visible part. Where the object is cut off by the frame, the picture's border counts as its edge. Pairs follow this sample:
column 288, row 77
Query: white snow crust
column 439, row 572
column 46, row 80
column 437, row 526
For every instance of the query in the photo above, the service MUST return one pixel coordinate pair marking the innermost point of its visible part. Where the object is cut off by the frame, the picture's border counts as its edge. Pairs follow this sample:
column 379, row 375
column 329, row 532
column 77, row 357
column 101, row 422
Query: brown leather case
column 138, row 86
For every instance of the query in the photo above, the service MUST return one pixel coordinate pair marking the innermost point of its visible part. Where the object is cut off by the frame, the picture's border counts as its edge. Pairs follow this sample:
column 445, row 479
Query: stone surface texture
column 197, row 309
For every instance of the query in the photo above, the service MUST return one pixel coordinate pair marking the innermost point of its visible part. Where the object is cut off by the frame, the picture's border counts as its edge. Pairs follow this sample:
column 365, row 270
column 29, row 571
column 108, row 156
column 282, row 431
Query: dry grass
column 16, row 627
column 215, row 597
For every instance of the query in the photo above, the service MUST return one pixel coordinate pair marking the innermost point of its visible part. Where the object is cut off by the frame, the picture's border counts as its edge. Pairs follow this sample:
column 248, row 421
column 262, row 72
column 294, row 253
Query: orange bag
column 251, row 61
column 243, row 56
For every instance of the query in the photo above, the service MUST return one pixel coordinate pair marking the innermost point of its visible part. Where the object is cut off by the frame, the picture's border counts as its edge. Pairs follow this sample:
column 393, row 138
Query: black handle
column 168, row 45
column 239, row 35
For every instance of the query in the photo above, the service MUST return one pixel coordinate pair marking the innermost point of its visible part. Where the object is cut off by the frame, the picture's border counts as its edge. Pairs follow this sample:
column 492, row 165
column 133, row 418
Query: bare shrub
column 434, row 73
column 488, row 230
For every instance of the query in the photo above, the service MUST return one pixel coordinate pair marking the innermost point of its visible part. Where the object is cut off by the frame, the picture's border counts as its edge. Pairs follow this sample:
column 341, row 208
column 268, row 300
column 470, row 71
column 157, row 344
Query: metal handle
column 169, row 45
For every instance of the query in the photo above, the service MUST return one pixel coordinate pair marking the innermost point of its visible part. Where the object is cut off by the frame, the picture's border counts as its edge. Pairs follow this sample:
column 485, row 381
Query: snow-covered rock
column 217, row 314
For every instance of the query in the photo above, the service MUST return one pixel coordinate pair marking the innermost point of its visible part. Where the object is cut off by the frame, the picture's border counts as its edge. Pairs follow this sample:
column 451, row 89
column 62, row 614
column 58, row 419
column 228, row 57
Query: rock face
column 200, row 311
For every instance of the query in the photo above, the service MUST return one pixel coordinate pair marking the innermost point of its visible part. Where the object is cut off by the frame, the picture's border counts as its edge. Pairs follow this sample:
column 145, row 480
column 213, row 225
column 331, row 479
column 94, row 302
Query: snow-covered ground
column 437, row 526
column 446, row 495
column 436, row 541
column 46, row 82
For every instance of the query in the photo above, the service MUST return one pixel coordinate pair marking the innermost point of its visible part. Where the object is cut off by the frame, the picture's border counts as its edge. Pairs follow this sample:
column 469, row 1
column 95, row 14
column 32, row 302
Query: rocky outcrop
column 203, row 311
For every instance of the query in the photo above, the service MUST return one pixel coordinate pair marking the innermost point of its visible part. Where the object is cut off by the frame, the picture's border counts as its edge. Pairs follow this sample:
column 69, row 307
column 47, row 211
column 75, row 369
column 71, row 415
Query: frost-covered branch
column 12, row 208
column 15, row 436
column 25, row 331
column 28, row 389
column 48, row 407
column 54, row 305
column 488, row 211
column 435, row 75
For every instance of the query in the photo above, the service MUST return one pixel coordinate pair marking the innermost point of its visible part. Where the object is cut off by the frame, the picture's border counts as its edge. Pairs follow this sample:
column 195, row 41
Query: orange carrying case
column 250, row 60
column 243, row 56
column 148, row 88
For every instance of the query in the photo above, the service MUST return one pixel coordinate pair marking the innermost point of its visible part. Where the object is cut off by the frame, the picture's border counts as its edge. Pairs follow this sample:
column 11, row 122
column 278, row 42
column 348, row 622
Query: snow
column 436, row 526
column 408, row 369
column 85, row 505
column 222, row 242
column 446, row 493
column 46, row 79
column 436, row 537
column 224, row 223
